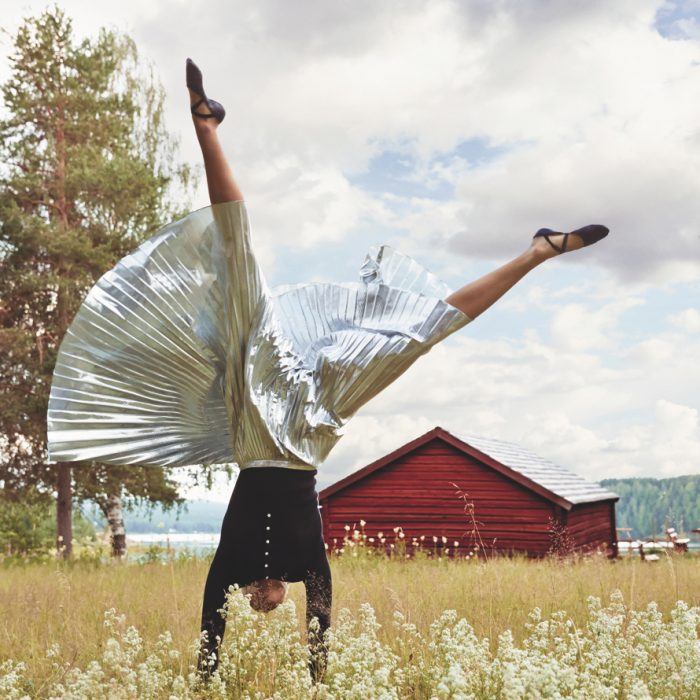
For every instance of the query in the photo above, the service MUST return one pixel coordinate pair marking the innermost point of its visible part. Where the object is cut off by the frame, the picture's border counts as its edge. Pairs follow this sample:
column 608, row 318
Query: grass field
column 59, row 610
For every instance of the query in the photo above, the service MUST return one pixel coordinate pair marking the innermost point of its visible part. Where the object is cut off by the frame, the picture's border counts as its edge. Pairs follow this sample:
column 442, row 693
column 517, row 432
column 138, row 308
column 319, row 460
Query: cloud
column 593, row 110
column 578, row 327
column 671, row 443
column 687, row 320
column 504, row 117
column 595, row 114
column 591, row 399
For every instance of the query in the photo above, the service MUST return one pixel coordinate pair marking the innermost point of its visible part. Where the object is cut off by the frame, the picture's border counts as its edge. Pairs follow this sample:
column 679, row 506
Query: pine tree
column 88, row 172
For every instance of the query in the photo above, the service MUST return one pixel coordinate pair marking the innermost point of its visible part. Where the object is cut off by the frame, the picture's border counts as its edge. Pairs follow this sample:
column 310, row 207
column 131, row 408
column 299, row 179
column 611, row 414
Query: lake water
column 207, row 541
column 202, row 542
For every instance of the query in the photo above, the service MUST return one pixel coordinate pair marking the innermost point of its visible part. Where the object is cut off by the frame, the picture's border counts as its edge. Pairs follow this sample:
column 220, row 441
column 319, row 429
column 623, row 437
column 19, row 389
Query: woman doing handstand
column 181, row 355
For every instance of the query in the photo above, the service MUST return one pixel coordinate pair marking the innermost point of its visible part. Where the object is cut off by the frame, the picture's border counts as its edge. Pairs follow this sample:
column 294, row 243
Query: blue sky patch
column 674, row 17
column 397, row 171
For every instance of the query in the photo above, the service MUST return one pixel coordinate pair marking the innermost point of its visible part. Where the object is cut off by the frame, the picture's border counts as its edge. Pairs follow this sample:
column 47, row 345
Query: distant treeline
column 645, row 505
column 649, row 506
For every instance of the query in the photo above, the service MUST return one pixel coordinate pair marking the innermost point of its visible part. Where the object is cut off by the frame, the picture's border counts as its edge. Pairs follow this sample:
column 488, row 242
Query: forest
column 649, row 505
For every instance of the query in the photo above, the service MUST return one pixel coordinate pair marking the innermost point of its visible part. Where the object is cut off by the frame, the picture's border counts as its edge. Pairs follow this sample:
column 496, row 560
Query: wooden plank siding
column 589, row 524
column 417, row 493
column 416, row 487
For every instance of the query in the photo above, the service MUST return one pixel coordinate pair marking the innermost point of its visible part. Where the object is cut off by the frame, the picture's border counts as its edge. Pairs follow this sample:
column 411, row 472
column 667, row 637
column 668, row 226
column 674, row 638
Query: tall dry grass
column 43, row 604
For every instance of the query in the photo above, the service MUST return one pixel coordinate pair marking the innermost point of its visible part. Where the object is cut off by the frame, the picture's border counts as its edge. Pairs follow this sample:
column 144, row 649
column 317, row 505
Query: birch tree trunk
column 115, row 518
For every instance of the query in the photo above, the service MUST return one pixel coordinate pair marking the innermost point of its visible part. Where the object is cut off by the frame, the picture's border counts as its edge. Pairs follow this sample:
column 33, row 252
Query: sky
column 452, row 131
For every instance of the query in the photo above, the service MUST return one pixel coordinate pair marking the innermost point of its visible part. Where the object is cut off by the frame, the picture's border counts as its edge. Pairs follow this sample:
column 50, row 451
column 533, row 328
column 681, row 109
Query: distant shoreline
column 176, row 540
column 209, row 540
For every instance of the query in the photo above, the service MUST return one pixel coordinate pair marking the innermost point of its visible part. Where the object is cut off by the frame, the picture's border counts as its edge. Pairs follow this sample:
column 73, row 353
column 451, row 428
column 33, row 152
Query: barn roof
column 558, row 480
column 546, row 478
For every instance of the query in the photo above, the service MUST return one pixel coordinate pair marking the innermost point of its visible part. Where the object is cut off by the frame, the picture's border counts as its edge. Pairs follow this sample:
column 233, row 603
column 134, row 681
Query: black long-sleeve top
column 272, row 529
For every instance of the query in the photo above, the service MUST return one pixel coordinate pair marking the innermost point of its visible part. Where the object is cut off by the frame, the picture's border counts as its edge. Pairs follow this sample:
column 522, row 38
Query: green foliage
column 29, row 526
column 190, row 516
column 649, row 506
column 88, row 171
column 138, row 486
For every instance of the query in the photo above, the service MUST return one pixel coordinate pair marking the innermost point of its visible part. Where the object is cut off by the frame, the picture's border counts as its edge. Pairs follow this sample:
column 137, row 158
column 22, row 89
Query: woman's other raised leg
column 220, row 180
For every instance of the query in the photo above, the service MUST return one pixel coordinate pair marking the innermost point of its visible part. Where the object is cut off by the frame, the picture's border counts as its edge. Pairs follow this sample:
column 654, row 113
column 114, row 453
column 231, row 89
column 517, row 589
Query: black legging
column 272, row 511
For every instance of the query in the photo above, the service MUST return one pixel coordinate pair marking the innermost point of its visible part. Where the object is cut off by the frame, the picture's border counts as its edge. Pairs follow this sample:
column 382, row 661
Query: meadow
column 424, row 627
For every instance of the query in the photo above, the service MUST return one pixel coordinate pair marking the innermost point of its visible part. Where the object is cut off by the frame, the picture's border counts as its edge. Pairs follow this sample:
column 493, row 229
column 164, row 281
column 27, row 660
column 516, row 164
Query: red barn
column 511, row 501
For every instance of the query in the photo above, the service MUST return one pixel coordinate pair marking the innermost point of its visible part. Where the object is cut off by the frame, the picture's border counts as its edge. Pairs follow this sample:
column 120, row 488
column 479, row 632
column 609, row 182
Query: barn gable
column 544, row 478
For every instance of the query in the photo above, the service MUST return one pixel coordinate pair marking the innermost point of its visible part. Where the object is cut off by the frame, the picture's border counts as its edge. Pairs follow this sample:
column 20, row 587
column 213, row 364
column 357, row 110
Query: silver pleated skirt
column 181, row 355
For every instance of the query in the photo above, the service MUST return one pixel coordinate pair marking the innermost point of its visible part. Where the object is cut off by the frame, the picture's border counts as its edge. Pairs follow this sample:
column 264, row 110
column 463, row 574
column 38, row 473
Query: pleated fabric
column 181, row 354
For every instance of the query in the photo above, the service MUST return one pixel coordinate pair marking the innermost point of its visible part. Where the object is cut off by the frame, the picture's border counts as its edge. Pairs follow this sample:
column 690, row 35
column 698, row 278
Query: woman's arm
column 319, row 598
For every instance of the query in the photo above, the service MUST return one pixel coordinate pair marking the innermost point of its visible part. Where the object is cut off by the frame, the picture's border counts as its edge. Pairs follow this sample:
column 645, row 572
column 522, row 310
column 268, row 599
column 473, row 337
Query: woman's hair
column 266, row 594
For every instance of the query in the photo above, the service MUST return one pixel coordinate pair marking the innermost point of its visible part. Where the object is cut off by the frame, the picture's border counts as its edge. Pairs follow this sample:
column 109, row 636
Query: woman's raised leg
column 477, row 296
column 220, row 180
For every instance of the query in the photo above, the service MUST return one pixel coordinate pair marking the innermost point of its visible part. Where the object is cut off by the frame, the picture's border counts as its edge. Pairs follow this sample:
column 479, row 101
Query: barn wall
column 590, row 525
column 416, row 492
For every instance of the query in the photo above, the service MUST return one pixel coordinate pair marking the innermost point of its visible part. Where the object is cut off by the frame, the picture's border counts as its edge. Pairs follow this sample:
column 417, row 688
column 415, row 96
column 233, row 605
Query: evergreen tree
column 88, row 172
column 649, row 506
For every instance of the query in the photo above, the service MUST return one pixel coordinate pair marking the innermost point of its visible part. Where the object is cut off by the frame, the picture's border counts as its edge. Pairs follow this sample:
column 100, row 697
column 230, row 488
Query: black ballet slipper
column 194, row 83
column 589, row 235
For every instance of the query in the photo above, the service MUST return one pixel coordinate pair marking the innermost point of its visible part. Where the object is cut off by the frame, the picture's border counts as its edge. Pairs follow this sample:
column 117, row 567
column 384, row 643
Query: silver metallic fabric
column 181, row 355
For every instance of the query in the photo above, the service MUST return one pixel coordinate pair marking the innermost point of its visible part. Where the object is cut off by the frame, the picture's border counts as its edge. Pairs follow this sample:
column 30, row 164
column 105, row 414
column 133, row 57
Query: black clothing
column 272, row 529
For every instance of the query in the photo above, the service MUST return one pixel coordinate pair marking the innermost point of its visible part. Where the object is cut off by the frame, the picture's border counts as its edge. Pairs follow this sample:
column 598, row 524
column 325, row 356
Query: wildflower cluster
column 357, row 542
column 617, row 653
